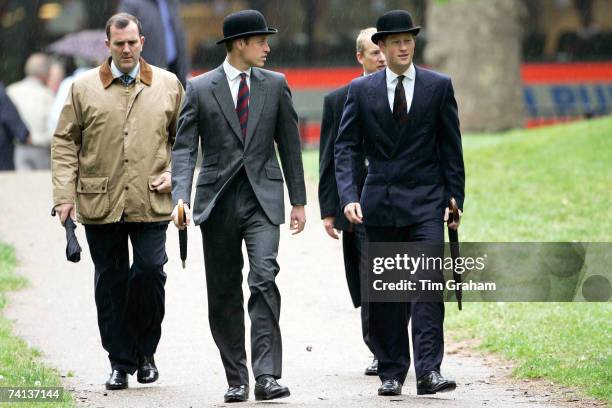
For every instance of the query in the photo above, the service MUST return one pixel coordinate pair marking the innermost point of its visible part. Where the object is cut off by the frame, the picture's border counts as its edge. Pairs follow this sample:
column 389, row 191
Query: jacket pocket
column 161, row 203
column 207, row 177
column 210, row 160
column 274, row 173
column 93, row 198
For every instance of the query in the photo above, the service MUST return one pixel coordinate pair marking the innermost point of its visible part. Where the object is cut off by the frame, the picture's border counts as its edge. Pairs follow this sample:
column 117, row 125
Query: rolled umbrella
column 73, row 249
column 453, row 237
column 182, row 216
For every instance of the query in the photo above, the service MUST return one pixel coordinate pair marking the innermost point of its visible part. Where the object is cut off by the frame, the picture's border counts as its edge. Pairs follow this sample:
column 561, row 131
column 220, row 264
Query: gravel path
column 56, row 314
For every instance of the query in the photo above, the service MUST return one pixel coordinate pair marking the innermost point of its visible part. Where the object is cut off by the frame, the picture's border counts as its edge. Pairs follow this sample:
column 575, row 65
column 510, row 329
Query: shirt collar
column 410, row 73
column 117, row 73
column 232, row 72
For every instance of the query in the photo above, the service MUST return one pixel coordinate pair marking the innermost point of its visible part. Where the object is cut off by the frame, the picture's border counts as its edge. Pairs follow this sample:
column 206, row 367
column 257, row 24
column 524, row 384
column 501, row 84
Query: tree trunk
column 478, row 43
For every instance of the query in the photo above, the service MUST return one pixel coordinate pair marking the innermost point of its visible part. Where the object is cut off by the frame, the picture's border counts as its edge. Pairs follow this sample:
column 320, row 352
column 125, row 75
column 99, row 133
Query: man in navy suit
column 405, row 119
column 353, row 236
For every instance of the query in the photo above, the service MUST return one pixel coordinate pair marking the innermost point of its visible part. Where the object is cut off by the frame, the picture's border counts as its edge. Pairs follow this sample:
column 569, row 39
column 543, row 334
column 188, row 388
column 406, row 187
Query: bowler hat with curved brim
column 245, row 23
column 394, row 22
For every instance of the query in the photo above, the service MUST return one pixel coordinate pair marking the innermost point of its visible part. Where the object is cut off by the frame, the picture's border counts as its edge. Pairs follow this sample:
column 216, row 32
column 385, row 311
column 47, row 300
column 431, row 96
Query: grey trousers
column 238, row 217
column 32, row 158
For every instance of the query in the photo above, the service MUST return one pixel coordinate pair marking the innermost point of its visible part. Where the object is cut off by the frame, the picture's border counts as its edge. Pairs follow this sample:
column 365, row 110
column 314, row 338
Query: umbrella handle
column 453, row 215
column 181, row 212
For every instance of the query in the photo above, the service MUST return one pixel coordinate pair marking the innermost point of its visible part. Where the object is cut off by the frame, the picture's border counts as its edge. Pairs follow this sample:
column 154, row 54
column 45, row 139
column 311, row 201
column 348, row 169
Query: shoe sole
column 231, row 400
column 389, row 394
column 444, row 388
column 143, row 381
column 370, row 373
column 282, row 394
column 116, row 387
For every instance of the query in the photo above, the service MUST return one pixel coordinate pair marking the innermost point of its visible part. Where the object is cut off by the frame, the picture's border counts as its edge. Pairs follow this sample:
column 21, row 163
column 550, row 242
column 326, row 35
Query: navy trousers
column 354, row 250
column 389, row 321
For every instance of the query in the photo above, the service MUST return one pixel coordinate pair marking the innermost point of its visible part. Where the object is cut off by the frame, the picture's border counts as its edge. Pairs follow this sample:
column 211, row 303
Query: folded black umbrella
column 73, row 249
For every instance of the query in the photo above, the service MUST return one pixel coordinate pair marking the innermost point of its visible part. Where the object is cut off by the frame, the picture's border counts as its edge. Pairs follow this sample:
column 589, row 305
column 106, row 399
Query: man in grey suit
column 237, row 112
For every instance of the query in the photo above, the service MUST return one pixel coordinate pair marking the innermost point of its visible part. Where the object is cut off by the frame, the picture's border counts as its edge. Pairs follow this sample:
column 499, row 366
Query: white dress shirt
column 233, row 79
column 117, row 72
column 409, row 77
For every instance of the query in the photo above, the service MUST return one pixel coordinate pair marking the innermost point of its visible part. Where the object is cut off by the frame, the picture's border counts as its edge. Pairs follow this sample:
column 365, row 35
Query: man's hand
column 64, row 210
column 298, row 219
column 328, row 223
column 352, row 212
column 175, row 218
column 163, row 184
column 453, row 225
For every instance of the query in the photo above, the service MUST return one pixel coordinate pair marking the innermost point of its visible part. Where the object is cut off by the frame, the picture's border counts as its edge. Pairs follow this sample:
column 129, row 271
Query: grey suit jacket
column 208, row 115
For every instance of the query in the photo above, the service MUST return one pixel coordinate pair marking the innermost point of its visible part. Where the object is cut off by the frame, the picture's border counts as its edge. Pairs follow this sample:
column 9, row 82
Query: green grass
column 19, row 365
column 547, row 184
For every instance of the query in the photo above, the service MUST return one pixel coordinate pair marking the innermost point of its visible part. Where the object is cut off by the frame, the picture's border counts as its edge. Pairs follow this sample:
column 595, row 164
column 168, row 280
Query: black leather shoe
column 390, row 387
column 266, row 388
column 433, row 382
column 117, row 380
column 372, row 369
column 237, row 393
column 147, row 371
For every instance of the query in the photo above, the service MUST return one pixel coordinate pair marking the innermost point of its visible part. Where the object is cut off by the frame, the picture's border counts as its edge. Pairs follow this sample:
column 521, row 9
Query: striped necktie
column 400, row 106
column 242, row 104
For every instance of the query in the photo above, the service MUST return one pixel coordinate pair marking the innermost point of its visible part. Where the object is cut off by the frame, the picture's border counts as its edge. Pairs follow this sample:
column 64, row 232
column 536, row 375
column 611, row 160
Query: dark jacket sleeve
column 347, row 147
column 328, row 190
column 10, row 119
column 185, row 148
column 287, row 139
column 451, row 152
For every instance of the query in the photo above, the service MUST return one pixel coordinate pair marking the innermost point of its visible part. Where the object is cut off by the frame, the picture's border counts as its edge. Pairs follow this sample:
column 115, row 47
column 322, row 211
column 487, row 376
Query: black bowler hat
column 245, row 23
column 394, row 22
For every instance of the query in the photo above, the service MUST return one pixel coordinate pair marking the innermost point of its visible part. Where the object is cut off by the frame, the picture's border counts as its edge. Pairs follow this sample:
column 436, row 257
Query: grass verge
column 19, row 365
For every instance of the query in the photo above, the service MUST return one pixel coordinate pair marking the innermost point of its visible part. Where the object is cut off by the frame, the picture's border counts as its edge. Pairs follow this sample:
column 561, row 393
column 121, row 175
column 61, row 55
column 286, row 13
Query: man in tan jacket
column 111, row 157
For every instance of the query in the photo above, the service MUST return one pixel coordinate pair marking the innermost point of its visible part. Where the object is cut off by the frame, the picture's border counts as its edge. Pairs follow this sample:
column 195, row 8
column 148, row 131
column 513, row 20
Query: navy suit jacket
column 413, row 170
column 329, row 202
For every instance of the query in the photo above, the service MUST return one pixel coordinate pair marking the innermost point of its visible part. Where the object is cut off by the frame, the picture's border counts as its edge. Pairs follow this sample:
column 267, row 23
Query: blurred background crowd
column 515, row 63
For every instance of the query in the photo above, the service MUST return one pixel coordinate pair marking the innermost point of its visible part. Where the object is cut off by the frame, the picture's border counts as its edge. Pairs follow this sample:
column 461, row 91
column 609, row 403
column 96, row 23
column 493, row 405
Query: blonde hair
column 364, row 35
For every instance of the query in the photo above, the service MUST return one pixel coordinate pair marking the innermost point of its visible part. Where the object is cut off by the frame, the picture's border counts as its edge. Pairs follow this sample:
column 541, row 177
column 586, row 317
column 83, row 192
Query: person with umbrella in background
column 353, row 236
column 405, row 119
column 111, row 157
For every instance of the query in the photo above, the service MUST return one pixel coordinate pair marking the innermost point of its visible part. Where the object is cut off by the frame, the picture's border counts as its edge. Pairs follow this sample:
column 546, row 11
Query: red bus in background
column 553, row 92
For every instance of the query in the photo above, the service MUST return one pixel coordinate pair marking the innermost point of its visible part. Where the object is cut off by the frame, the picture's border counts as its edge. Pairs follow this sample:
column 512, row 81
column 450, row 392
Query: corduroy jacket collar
column 106, row 76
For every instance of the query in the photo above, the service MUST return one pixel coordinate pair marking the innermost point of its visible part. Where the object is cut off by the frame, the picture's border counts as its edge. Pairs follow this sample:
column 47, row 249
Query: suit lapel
column 224, row 98
column 382, row 111
column 257, row 100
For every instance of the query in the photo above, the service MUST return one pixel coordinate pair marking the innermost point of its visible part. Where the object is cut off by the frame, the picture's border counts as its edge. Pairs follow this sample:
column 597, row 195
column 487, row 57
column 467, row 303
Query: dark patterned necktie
column 126, row 79
column 242, row 104
column 400, row 106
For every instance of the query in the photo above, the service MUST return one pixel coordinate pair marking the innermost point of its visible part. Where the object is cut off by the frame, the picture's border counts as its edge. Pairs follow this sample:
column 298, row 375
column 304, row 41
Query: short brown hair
column 229, row 45
column 121, row 20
